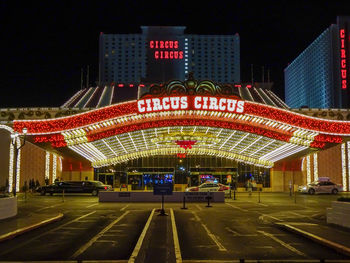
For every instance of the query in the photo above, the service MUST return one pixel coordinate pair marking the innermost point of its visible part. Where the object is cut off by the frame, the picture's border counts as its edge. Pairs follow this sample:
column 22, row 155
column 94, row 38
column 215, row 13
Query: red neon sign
column 190, row 103
column 343, row 69
column 166, row 49
column 164, row 44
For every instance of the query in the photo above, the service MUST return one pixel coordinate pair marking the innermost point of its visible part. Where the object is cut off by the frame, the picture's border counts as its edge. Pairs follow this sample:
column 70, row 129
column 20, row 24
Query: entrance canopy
column 187, row 118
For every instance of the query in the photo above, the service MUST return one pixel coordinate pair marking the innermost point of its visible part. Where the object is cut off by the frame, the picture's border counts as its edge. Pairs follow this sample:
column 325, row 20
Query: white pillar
column 315, row 167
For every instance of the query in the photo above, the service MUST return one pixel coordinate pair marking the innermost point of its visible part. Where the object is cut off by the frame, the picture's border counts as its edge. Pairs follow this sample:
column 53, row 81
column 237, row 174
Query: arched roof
column 202, row 121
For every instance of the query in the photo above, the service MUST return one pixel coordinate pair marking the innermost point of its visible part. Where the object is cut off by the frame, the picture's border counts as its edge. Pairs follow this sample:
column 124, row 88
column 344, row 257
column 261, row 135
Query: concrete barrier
column 8, row 207
column 150, row 197
column 339, row 214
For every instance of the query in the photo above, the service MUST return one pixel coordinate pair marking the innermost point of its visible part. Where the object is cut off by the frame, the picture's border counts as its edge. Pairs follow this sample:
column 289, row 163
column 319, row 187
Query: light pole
column 16, row 148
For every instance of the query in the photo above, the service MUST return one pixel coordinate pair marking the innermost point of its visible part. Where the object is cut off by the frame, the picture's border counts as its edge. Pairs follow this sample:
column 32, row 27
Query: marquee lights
column 172, row 151
column 11, row 167
column 47, row 165
column 315, row 167
column 54, row 167
column 11, row 157
column 119, row 111
column 79, row 120
column 343, row 55
column 186, row 122
column 111, row 148
column 308, row 170
column 348, row 150
column 186, row 144
column 18, row 168
column 282, row 126
column 343, row 164
column 301, row 137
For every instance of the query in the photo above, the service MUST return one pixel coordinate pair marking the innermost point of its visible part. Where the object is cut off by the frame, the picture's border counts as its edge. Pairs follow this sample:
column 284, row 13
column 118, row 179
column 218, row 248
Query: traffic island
column 311, row 231
column 106, row 196
column 8, row 207
column 339, row 213
column 19, row 231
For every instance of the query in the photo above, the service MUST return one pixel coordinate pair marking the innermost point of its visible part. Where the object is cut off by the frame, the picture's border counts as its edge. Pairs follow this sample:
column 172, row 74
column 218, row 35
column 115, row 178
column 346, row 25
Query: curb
column 23, row 230
column 336, row 246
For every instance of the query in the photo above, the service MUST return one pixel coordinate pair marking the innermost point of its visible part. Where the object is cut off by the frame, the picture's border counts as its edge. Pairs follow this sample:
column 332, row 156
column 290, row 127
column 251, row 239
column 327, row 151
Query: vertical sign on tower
column 343, row 55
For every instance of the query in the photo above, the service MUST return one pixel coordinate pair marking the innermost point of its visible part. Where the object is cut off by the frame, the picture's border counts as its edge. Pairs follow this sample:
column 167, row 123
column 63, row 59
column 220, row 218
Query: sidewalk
column 332, row 236
column 25, row 221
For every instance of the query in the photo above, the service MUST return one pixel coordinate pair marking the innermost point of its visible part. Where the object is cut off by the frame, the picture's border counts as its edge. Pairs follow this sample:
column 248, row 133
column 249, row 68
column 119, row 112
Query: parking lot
column 237, row 229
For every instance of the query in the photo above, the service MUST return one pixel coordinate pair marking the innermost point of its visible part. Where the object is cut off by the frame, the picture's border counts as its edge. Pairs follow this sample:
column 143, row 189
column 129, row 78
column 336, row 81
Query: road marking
column 262, row 204
column 264, row 247
column 73, row 228
column 301, row 215
column 211, row 235
column 264, row 215
column 293, row 249
column 304, row 224
column 199, row 208
column 196, row 216
column 47, row 207
column 141, row 238
column 91, row 205
column 175, row 238
column 234, row 233
column 43, row 234
column 338, row 247
column 122, row 209
column 95, row 238
column 236, row 207
column 257, row 203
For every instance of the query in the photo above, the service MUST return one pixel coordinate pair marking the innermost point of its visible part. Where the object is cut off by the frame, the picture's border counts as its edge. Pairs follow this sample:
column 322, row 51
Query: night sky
column 46, row 43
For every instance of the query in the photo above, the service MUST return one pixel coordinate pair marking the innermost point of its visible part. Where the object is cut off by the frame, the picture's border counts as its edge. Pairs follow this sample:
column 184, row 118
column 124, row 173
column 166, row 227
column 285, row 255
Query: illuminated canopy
column 208, row 122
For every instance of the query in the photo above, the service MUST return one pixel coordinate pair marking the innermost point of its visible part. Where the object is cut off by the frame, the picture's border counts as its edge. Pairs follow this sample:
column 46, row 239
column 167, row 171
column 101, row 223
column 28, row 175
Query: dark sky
column 46, row 43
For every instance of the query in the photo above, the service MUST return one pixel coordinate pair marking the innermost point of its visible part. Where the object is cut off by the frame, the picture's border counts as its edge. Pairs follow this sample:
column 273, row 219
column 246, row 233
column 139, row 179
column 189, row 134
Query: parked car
column 92, row 187
column 225, row 188
column 209, row 187
column 321, row 187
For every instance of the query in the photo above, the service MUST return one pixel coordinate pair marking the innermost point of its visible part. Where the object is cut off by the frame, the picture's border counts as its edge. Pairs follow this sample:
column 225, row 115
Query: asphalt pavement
column 312, row 227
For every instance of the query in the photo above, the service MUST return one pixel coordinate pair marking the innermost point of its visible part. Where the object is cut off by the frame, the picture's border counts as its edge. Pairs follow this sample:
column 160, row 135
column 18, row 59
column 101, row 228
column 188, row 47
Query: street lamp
column 16, row 148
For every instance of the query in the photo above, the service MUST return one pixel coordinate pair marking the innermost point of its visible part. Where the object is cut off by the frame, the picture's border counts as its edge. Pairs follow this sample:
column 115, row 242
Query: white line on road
column 259, row 204
column 45, row 233
column 300, row 215
column 236, row 207
column 122, row 209
column 199, row 208
column 175, row 238
column 211, row 235
column 235, row 233
column 293, row 249
column 261, row 214
column 100, row 234
column 141, row 238
column 264, row 215
column 47, row 207
column 91, row 205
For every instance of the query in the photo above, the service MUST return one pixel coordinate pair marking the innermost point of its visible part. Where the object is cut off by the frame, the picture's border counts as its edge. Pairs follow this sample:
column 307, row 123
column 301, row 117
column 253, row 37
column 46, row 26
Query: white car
column 208, row 187
column 321, row 187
